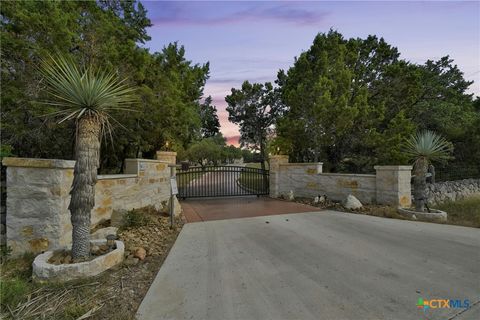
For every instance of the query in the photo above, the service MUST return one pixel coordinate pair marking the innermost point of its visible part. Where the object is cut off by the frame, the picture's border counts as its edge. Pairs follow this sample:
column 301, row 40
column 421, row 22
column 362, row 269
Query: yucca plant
column 86, row 96
column 423, row 148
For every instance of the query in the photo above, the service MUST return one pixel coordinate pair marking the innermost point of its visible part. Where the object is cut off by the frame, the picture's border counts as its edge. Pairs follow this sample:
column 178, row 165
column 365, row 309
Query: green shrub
column 135, row 218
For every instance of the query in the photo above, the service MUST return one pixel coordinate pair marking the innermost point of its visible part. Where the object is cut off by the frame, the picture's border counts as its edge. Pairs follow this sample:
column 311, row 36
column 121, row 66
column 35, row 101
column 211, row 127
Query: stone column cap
column 302, row 164
column 278, row 156
column 394, row 168
column 38, row 163
column 145, row 160
column 170, row 153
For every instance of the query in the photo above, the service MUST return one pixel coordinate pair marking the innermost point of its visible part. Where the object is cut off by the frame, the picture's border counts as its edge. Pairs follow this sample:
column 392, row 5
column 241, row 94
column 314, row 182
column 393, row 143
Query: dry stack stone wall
column 389, row 185
column 452, row 190
column 38, row 198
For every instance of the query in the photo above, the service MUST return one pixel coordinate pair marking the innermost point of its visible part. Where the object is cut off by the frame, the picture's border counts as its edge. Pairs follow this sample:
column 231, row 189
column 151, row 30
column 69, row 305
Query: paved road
column 214, row 184
column 323, row 265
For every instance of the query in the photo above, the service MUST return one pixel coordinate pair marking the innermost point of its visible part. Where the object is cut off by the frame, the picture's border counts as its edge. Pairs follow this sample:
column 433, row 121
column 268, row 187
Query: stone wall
column 38, row 218
column 452, row 190
column 390, row 185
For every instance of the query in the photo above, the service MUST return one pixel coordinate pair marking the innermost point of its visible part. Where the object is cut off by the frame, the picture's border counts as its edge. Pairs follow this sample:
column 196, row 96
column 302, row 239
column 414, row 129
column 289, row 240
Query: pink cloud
column 234, row 140
column 171, row 13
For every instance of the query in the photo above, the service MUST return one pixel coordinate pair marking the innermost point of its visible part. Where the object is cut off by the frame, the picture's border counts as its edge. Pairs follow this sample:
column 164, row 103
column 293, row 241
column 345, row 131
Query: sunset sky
column 253, row 40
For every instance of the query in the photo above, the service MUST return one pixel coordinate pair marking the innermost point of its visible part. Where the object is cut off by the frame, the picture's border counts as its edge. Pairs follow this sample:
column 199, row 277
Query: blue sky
column 252, row 40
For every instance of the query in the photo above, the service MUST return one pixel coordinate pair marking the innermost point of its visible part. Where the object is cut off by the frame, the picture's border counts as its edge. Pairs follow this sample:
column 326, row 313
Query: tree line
column 172, row 112
column 352, row 103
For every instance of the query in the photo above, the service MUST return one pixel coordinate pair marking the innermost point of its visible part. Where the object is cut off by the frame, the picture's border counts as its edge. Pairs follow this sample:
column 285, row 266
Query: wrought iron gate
column 222, row 181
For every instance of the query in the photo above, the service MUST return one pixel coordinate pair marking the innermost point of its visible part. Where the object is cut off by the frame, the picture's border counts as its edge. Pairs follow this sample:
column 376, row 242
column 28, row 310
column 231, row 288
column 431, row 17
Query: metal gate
column 222, row 181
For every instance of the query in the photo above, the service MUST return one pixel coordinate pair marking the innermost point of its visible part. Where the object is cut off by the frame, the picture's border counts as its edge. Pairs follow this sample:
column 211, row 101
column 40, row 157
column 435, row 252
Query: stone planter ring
column 433, row 215
column 43, row 271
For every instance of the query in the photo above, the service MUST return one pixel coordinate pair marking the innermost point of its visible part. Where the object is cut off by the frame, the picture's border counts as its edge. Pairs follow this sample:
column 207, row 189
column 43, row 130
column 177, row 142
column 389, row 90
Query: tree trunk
column 263, row 157
column 420, row 184
column 83, row 186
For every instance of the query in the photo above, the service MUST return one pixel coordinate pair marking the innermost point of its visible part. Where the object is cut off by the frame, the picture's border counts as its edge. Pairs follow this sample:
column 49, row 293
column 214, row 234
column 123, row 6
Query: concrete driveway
column 323, row 265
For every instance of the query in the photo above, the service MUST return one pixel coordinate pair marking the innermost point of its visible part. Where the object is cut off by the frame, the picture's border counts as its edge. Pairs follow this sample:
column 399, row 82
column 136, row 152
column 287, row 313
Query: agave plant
column 424, row 148
column 86, row 96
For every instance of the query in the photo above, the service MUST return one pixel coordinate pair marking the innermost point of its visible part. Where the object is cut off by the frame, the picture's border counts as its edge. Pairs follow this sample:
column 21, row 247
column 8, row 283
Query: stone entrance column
column 393, row 185
column 275, row 162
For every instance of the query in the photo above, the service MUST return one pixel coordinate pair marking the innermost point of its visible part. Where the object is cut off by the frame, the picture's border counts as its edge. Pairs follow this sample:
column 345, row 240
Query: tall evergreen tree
column 255, row 108
column 353, row 102
column 209, row 118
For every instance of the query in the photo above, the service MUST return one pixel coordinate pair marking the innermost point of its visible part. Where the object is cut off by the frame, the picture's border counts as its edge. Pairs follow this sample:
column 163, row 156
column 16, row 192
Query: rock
column 316, row 200
column 322, row 199
column 352, row 203
column 177, row 207
column 140, row 253
column 101, row 234
column 291, row 196
column 67, row 259
column 94, row 249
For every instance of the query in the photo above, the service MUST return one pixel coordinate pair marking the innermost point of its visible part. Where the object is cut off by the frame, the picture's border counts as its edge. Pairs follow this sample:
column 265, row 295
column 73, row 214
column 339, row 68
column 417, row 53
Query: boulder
column 103, row 233
column 291, row 197
column 140, row 253
column 352, row 203
column 177, row 207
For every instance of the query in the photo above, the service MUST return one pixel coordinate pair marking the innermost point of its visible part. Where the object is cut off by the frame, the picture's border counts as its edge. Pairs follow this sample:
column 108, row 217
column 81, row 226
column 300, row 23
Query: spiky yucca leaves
column 423, row 148
column 87, row 96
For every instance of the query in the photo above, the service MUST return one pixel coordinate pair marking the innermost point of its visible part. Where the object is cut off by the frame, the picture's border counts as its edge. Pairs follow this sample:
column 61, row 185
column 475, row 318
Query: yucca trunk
column 420, row 184
column 87, row 150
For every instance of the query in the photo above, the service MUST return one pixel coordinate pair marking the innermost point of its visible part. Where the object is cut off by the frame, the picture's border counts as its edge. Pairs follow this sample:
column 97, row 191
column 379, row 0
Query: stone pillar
column 38, row 196
column 167, row 156
column 275, row 162
column 393, row 185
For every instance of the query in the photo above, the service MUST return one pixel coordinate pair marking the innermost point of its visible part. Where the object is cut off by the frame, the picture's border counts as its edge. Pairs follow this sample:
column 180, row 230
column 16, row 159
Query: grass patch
column 465, row 212
column 12, row 292
column 252, row 181
column 15, row 281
